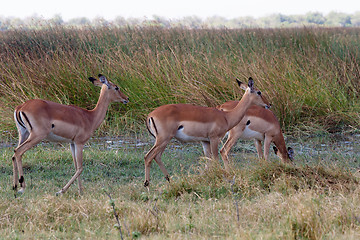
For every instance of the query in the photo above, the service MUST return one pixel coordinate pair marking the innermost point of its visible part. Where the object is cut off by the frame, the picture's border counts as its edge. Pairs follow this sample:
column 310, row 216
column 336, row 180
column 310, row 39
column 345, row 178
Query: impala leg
column 23, row 135
column 15, row 174
column 206, row 148
column 157, row 149
column 31, row 141
column 230, row 142
column 214, row 143
column 207, row 151
column 267, row 143
column 161, row 164
column 73, row 153
column 79, row 163
column 258, row 146
column 148, row 165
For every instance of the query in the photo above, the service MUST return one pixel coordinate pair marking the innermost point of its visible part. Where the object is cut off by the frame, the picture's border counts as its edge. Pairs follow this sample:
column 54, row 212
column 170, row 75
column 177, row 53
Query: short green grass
column 317, row 198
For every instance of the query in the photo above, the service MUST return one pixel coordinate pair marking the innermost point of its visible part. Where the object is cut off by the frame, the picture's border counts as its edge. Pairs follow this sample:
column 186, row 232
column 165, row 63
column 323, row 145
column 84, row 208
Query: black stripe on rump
column 19, row 120
column 27, row 119
column 148, row 126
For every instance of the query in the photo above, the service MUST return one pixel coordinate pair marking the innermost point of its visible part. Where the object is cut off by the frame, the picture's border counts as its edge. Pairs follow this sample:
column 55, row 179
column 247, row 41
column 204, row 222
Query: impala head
column 285, row 156
column 114, row 91
column 255, row 95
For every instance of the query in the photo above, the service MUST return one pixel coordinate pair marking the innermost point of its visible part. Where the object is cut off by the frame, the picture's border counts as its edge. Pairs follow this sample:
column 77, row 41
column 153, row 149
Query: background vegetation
column 332, row 19
column 311, row 75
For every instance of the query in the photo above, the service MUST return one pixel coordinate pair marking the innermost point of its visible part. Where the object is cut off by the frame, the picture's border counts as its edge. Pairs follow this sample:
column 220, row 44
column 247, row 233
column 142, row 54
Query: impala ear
column 95, row 81
column 92, row 79
column 241, row 84
column 251, row 84
column 103, row 80
column 275, row 150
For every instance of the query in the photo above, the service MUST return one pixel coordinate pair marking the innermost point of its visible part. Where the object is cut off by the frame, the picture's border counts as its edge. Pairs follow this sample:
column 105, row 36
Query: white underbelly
column 249, row 134
column 181, row 136
column 55, row 138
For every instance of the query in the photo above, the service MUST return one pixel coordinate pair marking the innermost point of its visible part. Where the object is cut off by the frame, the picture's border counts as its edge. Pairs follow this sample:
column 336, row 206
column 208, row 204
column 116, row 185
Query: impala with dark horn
column 189, row 123
column 259, row 124
column 38, row 120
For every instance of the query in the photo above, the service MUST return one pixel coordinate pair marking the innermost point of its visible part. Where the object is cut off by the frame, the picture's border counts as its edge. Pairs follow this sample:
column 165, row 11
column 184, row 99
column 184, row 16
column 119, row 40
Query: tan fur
column 38, row 120
column 264, row 123
column 191, row 123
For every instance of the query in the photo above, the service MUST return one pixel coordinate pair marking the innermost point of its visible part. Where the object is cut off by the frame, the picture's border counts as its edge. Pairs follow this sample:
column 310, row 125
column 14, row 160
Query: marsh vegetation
column 311, row 75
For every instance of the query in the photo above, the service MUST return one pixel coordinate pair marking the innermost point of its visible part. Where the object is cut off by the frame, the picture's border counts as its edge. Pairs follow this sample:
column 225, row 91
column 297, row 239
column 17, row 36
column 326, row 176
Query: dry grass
column 272, row 200
column 305, row 214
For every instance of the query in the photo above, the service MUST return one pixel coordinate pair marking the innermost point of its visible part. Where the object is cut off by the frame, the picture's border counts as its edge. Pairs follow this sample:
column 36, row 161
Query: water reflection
column 310, row 146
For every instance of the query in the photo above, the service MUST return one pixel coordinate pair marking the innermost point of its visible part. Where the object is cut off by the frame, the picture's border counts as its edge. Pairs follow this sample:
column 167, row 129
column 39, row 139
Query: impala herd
column 249, row 118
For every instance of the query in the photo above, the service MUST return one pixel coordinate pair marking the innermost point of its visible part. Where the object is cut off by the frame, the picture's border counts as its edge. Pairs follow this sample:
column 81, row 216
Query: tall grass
column 311, row 75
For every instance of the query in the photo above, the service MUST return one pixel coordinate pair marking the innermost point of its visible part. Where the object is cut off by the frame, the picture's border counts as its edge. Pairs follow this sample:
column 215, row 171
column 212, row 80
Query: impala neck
column 236, row 114
column 99, row 112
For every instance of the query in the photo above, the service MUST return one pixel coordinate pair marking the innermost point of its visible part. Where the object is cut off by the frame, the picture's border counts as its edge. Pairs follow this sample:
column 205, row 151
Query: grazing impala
column 189, row 123
column 37, row 120
column 259, row 124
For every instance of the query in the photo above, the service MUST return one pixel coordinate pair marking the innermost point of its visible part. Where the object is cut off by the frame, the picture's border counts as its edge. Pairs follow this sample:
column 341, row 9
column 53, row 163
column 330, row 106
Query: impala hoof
column 146, row 183
column 58, row 193
column 167, row 178
column 21, row 191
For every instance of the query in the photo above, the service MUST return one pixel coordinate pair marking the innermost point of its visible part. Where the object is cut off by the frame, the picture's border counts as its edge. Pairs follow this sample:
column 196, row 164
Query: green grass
column 311, row 75
column 317, row 198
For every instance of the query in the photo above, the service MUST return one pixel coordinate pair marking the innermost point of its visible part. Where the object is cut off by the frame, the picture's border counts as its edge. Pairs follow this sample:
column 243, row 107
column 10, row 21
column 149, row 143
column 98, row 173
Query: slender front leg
column 73, row 149
column 267, row 143
column 79, row 163
column 258, row 146
column 230, row 142
column 206, row 148
column 214, row 143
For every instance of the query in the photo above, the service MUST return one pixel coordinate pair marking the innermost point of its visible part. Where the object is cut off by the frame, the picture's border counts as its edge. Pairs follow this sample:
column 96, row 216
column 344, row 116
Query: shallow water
column 336, row 143
column 310, row 146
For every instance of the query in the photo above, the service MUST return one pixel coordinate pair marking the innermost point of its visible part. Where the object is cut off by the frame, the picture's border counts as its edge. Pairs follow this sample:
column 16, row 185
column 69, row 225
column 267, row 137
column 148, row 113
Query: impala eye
column 259, row 93
column 116, row 88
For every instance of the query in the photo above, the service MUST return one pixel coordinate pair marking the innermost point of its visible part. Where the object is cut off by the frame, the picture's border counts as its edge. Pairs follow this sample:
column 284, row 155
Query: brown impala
column 259, row 124
column 37, row 120
column 189, row 123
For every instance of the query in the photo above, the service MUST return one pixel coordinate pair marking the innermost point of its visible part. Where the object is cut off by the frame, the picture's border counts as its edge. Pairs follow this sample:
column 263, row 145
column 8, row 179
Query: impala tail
column 22, row 121
column 150, row 124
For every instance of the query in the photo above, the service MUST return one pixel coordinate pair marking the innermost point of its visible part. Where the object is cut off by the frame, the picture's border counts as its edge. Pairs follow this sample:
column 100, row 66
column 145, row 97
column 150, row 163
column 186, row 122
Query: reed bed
column 311, row 75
